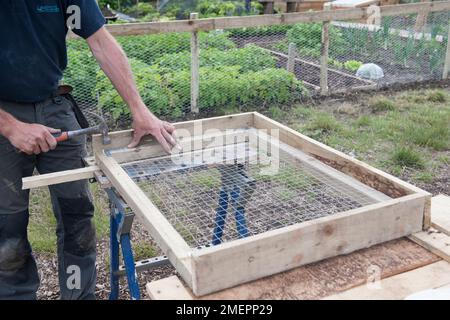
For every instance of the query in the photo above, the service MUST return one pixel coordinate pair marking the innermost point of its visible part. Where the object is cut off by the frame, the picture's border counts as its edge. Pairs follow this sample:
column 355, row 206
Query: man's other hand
column 32, row 138
column 144, row 123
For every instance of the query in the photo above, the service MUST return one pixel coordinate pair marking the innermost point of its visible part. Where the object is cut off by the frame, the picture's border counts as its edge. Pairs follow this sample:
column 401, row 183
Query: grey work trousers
column 72, row 206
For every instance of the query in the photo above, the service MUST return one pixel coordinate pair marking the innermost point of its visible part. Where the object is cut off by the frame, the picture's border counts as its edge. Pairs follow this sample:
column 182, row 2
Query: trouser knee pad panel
column 79, row 231
column 14, row 247
column 14, row 253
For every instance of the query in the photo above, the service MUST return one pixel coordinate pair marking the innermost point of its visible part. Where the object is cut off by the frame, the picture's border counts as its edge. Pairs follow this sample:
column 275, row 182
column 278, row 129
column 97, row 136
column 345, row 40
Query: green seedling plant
column 352, row 65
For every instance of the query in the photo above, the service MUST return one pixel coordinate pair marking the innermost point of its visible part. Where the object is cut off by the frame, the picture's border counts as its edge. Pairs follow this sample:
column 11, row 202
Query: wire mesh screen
column 253, row 68
column 225, row 194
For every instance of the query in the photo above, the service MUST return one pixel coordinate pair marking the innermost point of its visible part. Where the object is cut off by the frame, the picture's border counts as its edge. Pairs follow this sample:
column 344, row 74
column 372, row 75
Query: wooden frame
column 235, row 262
column 405, row 210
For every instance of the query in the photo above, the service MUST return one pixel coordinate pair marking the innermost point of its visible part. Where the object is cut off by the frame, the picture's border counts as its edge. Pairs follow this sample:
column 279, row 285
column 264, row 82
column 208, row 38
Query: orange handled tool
column 62, row 137
column 102, row 128
column 67, row 135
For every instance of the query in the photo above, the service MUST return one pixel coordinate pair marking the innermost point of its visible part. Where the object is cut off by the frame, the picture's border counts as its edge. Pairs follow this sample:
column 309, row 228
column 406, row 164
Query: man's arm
column 26, row 137
column 114, row 63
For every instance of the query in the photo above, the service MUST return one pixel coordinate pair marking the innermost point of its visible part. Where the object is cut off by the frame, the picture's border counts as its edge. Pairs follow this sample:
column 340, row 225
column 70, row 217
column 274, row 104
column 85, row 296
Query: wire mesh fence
column 405, row 50
column 253, row 68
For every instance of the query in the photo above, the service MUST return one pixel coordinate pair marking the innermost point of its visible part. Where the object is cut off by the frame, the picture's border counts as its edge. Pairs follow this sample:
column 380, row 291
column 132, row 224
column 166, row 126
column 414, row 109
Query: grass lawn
column 405, row 133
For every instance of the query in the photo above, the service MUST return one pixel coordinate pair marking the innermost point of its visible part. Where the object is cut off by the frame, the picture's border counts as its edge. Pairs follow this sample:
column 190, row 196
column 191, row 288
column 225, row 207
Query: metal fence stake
column 195, row 65
column 292, row 52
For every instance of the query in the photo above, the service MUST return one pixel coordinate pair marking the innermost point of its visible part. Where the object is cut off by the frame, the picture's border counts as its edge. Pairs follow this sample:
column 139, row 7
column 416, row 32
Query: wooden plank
column 58, row 177
column 435, row 241
column 367, row 87
column 167, row 238
column 195, row 67
column 368, row 175
column 170, row 288
column 411, row 8
column 440, row 213
column 324, row 278
column 286, row 1
column 398, row 32
column 446, row 70
column 121, row 139
column 244, row 260
column 353, row 3
column 267, row 20
column 402, row 285
column 215, row 139
column 427, row 214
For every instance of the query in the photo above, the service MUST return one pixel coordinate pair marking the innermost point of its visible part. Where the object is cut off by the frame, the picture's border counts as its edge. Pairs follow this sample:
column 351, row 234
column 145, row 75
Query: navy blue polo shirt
column 33, row 52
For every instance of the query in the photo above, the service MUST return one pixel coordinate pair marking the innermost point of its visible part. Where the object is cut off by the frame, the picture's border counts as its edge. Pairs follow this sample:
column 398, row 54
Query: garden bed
column 309, row 73
column 403, row 55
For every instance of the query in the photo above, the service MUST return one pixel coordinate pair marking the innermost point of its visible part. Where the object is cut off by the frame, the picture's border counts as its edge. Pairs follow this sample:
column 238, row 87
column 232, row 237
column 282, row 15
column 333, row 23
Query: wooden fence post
column 292, row 53
column 268, row 7
column 195, row 66
column 291, row 6
column 324, row 53
column 421, row 19
column 447, row 57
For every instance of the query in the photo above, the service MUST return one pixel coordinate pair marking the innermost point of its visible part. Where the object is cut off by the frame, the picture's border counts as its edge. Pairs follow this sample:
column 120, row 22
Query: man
column 32, row 59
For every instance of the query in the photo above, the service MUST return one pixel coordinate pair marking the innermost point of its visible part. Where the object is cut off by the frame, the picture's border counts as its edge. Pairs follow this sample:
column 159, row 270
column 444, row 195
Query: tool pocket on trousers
column 82, row 121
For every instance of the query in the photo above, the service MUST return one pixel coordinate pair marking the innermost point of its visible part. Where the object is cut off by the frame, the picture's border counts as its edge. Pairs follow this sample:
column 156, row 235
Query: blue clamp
column 239, row 187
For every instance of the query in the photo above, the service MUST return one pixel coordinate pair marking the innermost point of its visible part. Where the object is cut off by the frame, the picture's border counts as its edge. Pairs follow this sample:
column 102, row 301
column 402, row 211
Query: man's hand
column 144, row 123
column 31, row 138
column 114, row 63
